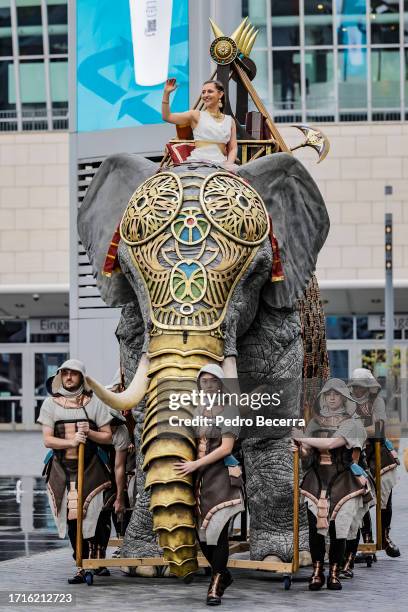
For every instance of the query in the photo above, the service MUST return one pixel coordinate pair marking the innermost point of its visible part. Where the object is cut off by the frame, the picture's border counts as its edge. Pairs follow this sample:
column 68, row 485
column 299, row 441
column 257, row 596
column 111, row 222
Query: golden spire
column 250, row 43
column 216, row 30
column 244, row 36
column 237, row 33
column 246, row 40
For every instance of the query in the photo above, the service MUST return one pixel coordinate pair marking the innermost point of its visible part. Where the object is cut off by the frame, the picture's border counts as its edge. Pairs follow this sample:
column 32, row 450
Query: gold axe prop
column 315, row 139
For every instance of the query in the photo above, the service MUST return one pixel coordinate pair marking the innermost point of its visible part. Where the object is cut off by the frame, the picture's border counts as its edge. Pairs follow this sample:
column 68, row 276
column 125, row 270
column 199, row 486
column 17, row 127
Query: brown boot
column 390, row 548
column 226, row 581
column 333, row 581
column 214, row 591
column 317, row 579
column 347, row 571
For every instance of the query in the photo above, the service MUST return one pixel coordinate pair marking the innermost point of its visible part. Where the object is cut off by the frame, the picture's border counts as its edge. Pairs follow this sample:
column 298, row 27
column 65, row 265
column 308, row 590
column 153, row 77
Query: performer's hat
column 211, row 368
column 338, row 385
column 361, row 377
column 55, row 382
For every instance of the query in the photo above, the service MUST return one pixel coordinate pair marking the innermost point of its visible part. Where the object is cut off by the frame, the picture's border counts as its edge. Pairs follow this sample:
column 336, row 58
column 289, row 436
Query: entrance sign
column 49, row 326
column 378, row 322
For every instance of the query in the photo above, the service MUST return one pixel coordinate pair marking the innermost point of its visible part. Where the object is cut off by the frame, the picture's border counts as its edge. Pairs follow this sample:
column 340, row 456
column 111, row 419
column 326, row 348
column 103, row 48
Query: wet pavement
column 26, row 523
column 381, row 588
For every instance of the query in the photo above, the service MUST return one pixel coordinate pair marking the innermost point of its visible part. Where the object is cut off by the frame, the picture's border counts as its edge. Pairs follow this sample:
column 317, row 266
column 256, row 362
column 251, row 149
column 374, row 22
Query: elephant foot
column 305, row 558
column 146, row 571
column 273, row 559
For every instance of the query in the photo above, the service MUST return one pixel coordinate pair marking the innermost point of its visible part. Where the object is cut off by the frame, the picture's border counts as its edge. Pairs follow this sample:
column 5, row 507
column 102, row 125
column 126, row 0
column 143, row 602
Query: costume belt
column 204, row 143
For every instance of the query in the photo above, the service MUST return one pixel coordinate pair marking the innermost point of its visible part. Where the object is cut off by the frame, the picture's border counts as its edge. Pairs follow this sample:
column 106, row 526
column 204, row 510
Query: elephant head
column 195, row 267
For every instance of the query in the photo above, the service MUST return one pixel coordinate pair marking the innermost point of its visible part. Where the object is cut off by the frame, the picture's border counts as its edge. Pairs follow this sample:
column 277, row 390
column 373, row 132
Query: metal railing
column 34, row 119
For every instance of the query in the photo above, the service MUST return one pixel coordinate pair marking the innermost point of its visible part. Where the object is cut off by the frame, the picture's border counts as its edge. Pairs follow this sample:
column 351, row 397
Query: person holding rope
column 334, row 486
column 218, row 484
column 73, row 415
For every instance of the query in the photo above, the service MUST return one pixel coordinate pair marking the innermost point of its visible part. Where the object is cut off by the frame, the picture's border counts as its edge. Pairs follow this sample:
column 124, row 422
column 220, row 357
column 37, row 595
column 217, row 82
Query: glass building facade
column 331, row 60
column 33, row 65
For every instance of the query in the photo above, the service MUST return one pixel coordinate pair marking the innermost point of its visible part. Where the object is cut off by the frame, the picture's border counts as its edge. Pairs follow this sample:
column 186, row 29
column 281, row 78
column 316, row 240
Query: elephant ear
column 101, row 211
column 299, row 218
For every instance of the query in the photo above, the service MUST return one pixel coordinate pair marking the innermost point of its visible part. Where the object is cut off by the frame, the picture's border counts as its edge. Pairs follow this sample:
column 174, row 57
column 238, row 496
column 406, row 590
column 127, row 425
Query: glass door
column 340, row 358
column 339, row 363
column 46, row 362
column 11, row 387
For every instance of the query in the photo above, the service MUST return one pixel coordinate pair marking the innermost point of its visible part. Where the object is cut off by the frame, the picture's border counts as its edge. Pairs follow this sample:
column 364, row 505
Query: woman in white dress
column 215, row 135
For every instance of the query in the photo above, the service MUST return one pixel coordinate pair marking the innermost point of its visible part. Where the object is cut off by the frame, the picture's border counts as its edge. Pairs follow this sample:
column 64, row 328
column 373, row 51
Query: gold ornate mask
column 192, row 237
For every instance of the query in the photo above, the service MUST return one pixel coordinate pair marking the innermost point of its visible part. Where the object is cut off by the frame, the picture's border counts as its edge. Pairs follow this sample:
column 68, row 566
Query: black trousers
column 317, row 542
column 367, row 529
column 217, row 555
column 94, row 547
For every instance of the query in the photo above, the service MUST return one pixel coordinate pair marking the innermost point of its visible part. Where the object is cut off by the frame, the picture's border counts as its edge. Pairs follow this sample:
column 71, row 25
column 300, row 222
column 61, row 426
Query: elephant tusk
column 229, row 366
column 129, row 398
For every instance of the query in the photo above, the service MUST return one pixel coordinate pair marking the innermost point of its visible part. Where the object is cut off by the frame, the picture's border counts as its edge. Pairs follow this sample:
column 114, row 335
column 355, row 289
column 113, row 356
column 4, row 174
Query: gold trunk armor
column 191, row 237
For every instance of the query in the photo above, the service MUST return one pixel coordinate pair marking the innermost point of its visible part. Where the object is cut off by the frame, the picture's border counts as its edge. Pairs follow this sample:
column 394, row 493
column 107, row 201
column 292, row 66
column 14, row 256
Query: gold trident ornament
column 231, row 50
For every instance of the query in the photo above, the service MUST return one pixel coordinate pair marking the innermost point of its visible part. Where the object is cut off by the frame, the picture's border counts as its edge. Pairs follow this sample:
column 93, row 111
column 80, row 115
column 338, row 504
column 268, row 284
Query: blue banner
column 125, row 50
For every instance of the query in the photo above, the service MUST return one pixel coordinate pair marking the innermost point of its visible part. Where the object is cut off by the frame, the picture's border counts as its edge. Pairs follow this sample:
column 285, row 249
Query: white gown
column 210, row 129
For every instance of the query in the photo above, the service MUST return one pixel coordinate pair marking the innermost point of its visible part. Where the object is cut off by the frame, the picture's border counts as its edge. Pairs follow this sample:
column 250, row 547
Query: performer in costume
column 118, row 458
column 214, row 132
column 370, row 408
column 73, row 415
column 218, row 483
column 334, row 485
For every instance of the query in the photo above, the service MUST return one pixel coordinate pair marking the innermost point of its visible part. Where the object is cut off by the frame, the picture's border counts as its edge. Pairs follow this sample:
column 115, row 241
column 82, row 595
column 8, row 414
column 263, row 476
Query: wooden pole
column 80, row 506
column 296, row 510
column 377, row 446
column 261, row 108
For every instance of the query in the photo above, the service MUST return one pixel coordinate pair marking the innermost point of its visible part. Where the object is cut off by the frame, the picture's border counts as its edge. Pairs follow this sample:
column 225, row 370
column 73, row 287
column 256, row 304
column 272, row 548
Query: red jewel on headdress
column 190, row 220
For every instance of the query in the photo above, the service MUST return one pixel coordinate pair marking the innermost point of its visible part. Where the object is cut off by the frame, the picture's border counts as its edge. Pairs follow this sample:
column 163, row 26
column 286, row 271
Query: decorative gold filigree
column 191, row 294
column 191, row 269
column 191, row 226
column 234, row 208
column 151, row 208
column 188, row 283
column 223, row 50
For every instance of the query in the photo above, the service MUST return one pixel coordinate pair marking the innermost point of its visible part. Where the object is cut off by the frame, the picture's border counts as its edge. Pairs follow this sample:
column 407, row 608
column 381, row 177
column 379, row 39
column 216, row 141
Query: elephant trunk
column 173, row 371
column 171, row 367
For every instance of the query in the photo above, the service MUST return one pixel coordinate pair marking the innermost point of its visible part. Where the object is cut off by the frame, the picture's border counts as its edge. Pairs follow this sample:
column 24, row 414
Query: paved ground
column 21, row 453
column 380, row 588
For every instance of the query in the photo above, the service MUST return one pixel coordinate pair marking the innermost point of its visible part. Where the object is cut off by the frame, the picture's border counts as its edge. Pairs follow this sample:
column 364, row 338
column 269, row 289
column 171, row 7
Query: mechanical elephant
column 193, row 278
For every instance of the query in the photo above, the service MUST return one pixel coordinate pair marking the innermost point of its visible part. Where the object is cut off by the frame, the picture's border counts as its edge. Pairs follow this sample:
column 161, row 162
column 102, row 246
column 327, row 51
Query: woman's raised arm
column 189, row 117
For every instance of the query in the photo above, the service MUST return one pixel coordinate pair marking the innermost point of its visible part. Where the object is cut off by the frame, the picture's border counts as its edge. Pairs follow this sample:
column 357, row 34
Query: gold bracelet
column 164, row 102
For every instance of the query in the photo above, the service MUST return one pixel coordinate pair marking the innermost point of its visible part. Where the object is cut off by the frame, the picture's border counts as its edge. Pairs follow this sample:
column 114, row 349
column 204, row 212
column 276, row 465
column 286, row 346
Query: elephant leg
column 272, row 353
column 269, row 486
column 139, row 539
